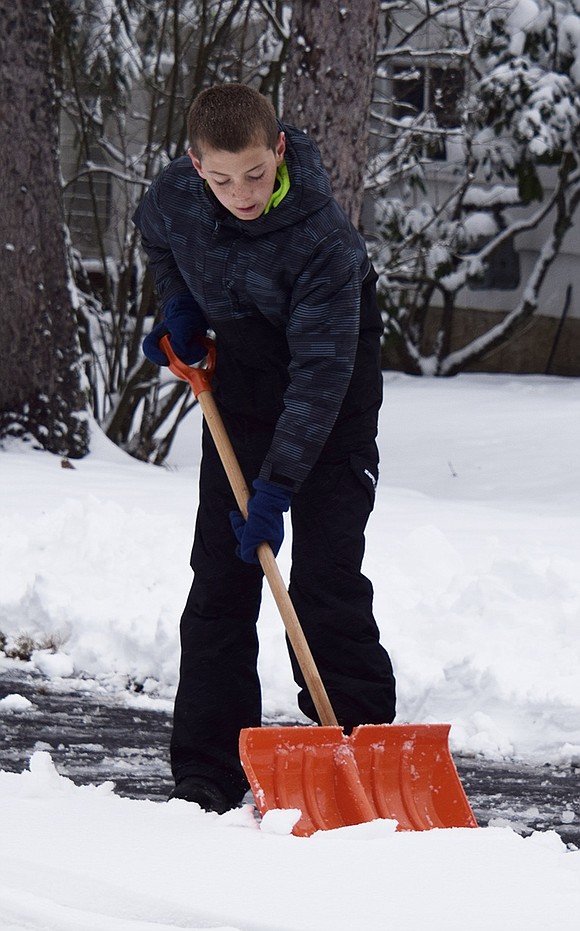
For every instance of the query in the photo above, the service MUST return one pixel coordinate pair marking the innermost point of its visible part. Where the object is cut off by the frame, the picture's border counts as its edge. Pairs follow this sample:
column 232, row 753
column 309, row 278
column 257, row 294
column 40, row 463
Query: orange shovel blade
column 400, row 772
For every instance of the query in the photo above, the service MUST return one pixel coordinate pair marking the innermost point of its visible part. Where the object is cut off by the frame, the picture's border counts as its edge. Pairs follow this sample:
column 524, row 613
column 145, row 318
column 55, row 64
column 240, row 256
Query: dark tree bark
column 40, row 377
column 329, row 83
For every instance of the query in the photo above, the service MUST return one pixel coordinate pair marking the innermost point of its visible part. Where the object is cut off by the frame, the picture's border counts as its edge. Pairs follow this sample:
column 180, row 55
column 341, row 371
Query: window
column 82, row 194
column 79, row 208
column 429, row 88
column 502, row 271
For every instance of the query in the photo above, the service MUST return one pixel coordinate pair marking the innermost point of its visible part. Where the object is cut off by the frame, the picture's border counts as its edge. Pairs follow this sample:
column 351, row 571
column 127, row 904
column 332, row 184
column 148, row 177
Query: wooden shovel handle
column 199, row 379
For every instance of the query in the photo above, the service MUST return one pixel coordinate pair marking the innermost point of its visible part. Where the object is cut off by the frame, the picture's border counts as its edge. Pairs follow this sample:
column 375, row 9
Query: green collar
column 281, row 189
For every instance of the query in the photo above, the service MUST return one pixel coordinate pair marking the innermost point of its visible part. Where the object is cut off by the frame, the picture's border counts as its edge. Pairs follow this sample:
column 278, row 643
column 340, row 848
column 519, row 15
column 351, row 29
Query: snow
column 569, row 42
column 522, row 16
column 473, row 549
column 14, row 702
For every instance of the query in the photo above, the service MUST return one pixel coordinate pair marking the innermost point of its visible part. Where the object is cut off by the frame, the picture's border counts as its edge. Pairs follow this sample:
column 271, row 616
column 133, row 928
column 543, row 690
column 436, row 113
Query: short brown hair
column 231, row 117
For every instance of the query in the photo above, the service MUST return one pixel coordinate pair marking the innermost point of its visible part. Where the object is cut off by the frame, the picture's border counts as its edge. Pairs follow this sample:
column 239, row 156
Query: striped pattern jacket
column 282, row 294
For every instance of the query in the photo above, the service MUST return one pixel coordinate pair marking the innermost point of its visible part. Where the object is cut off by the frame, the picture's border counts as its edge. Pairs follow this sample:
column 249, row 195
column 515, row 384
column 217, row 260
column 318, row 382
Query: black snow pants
column 219, row 690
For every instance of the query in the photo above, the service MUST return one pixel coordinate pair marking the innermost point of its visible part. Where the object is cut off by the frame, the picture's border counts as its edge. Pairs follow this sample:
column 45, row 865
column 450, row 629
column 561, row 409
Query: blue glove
column 265, row 521
column 186, row 327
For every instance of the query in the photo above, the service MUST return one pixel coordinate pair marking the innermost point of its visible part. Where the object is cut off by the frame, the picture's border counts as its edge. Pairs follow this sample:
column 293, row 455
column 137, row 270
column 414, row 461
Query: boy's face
column 243, row 182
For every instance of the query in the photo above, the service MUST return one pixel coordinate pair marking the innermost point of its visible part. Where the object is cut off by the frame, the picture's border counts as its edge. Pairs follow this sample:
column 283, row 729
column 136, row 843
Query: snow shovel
column 400, row 772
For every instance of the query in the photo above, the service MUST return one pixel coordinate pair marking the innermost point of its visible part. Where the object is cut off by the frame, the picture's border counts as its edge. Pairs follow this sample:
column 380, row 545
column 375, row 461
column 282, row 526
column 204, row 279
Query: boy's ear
column 196, row 163
column 280, row 148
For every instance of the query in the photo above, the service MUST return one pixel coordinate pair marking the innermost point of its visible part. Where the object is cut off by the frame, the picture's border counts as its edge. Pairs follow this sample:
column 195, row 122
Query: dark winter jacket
column 282, row 293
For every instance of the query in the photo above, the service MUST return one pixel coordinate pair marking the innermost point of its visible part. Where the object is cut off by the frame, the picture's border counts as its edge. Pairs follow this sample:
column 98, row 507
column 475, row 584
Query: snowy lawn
column 473, row 549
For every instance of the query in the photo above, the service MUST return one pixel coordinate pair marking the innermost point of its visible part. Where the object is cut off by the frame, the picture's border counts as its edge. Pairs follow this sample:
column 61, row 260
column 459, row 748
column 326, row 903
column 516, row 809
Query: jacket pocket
column 366, row 470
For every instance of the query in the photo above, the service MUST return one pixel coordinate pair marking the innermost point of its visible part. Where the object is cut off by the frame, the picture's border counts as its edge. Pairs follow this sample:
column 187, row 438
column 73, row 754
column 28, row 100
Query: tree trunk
column 40, row 379
column 328, row 87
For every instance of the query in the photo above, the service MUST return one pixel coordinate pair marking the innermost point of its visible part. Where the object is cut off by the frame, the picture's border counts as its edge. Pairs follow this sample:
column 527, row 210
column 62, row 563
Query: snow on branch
column 91, row 169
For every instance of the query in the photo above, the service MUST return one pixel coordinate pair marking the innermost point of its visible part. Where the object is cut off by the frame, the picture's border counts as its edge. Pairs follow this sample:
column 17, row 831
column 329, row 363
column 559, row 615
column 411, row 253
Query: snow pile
column 77, row 858
column 473, row 550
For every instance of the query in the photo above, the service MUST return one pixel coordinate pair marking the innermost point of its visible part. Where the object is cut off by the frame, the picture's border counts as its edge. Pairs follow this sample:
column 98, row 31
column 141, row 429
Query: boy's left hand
column 265, row 523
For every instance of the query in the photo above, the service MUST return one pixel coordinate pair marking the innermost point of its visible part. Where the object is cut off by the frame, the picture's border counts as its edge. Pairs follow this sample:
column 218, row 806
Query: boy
column 244, row 237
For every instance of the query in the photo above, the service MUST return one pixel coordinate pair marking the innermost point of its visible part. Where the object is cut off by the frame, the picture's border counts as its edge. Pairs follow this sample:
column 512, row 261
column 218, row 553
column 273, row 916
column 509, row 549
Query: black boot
column 207, row 795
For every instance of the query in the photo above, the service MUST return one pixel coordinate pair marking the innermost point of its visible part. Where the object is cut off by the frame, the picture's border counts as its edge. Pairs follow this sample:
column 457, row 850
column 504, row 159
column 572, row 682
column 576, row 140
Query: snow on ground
column 473, row 549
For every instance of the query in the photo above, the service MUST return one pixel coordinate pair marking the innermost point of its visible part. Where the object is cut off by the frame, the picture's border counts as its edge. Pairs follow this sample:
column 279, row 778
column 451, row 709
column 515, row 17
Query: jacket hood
column 309, row 188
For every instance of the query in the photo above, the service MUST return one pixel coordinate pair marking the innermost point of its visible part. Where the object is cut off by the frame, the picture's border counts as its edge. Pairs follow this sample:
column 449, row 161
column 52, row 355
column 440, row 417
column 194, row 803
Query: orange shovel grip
column 198, row 378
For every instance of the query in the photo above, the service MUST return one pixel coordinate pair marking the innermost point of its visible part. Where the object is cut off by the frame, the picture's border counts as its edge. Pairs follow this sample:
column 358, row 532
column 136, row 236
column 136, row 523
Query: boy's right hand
column 265, row 521
column 186, row 327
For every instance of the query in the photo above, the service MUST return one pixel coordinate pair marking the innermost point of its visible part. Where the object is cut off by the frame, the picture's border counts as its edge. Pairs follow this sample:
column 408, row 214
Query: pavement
column 95, row 736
